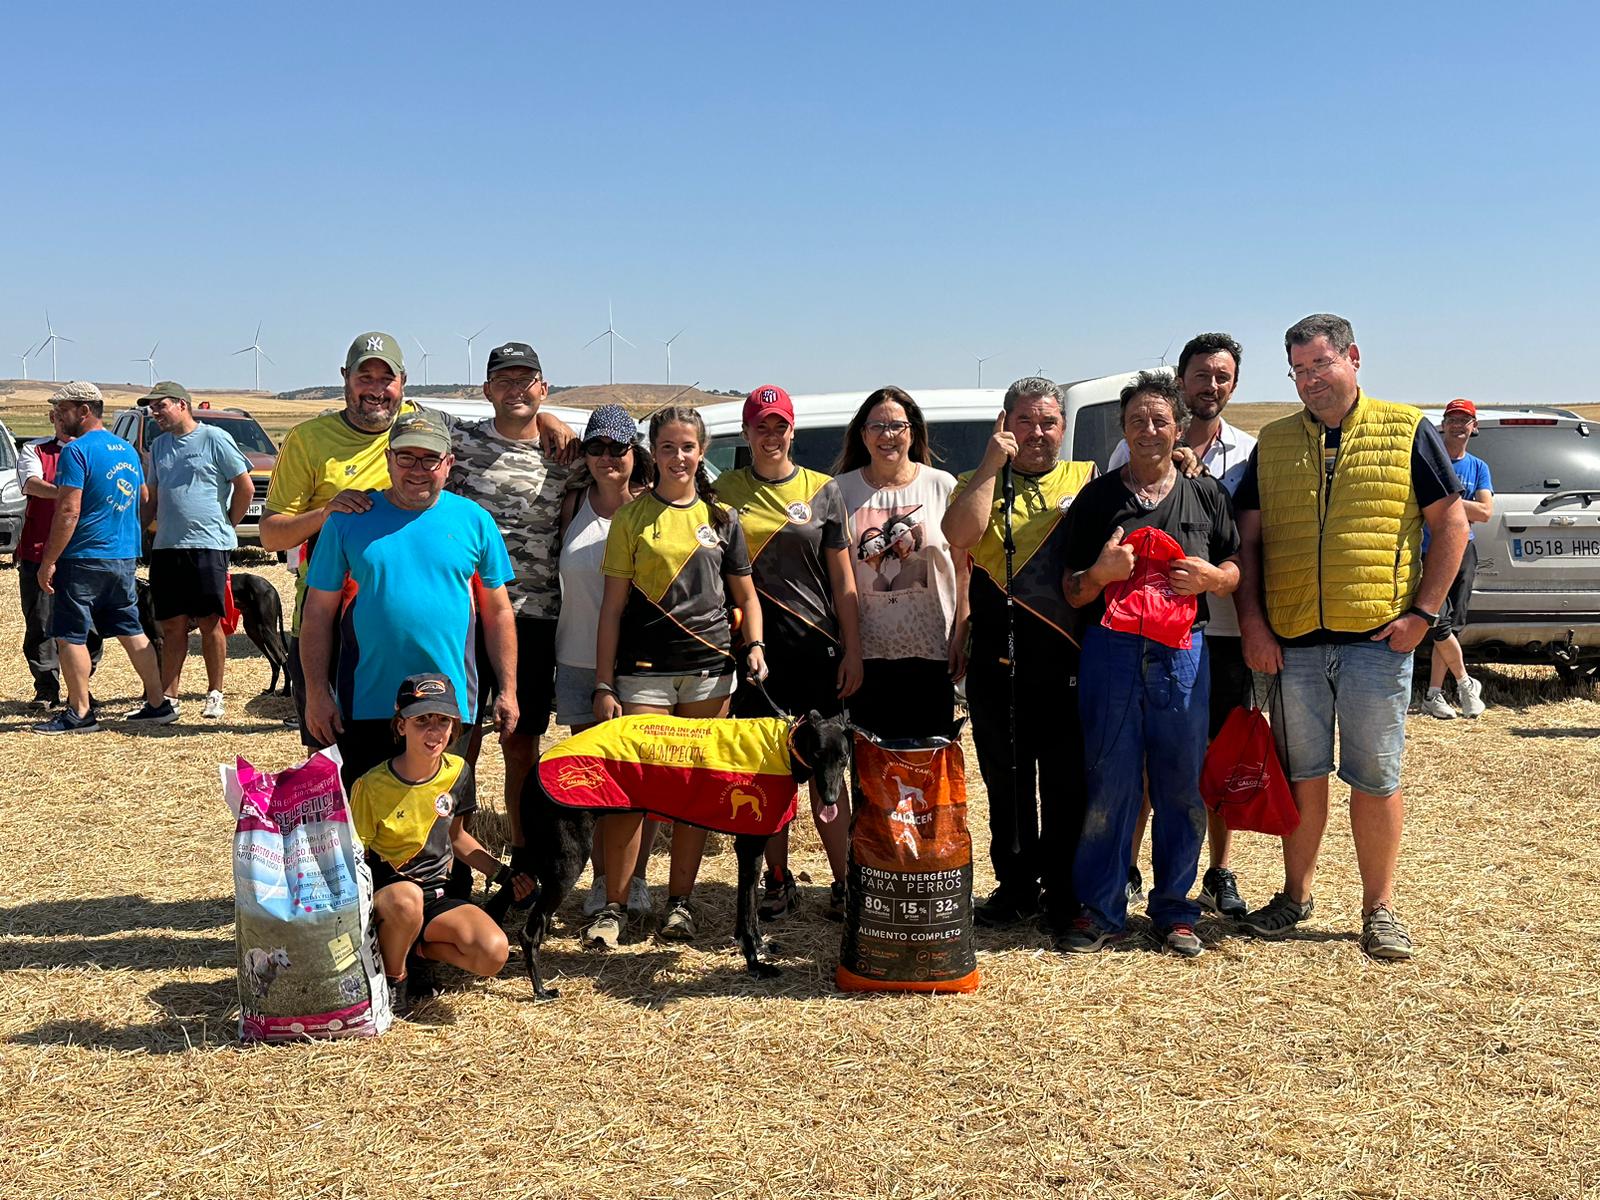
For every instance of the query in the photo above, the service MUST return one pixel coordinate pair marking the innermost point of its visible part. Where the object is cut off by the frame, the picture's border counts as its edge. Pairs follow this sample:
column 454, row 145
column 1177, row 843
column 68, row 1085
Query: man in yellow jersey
column 1031, row 841
column 1334, row 595
column 333, row 462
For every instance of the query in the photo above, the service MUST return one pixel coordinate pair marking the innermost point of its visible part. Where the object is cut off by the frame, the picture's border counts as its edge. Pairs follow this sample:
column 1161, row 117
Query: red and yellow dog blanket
column 727, row 774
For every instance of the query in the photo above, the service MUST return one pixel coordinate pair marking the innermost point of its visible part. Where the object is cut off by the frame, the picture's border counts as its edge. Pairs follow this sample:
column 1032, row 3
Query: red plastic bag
column 1242, row 779
column 1145, row 603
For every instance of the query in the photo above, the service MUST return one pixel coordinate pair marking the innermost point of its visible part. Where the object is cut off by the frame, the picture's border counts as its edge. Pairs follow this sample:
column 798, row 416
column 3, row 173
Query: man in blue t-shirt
column 199, row 489
column 1477, row 501
column 407, row 580
column 88, row 561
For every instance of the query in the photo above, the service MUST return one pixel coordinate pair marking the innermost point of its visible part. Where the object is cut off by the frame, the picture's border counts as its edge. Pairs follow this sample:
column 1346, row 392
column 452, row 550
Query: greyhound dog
column 559, row 839
column 261, row 612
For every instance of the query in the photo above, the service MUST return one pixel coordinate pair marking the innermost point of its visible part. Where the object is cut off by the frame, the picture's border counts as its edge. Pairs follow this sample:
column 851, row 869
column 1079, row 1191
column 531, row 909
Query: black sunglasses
column 601, row 447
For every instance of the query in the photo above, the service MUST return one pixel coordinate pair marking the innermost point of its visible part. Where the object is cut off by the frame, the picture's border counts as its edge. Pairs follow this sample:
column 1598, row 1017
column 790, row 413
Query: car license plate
column 1567, row 546
column 253, row 511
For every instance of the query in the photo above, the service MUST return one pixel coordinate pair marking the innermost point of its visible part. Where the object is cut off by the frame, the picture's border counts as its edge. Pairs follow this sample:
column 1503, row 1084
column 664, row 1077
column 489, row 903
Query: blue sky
column 827, row 197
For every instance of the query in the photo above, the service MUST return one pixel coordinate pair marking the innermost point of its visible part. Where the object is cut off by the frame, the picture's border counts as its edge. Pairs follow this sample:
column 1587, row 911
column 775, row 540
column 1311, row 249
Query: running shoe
column 836, row 894
column 1135, row 887
column 1086, row 937
column 1383, row 937
column 779, row 896
column 177, row 705
column 605, row 931
column 1181, row 940
column 1219, row 891
column 213, row 708
column 67, row 721
column 596, row 899
column 678, row 923
column 1008, row 905
column 1278, row 917
column 638, row 897
column 1469, row 692
column 153, row 714
column 1435, row 705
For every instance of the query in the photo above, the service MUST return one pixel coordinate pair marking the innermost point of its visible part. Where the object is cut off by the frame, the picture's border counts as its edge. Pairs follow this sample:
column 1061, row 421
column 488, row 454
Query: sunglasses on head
column 602, row 447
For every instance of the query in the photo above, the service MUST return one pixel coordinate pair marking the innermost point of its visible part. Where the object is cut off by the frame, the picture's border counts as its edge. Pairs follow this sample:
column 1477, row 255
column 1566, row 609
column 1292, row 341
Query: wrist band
column 752, row 645
column 502, row 876
column 607, row 688
column 1417, row 610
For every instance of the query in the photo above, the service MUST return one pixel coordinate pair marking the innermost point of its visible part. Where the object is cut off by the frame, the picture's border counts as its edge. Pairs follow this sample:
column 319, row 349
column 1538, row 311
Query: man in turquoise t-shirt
column 419, row 568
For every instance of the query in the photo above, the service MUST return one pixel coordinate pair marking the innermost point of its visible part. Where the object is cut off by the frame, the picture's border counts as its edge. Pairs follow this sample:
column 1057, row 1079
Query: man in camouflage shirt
column 500, row 464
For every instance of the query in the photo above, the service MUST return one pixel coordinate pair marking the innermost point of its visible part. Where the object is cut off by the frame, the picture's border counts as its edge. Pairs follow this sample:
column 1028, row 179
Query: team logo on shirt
column 1063, row 504
column 442, row 804
column 799, row 512
column 706, row 536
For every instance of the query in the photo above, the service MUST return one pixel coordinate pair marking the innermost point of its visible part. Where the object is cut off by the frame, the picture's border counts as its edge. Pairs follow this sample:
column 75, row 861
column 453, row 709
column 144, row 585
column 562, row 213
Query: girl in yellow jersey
column 674, row 559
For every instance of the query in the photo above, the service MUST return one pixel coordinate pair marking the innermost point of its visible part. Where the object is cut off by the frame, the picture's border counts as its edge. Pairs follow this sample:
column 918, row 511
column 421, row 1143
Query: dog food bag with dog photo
column 908, row 915
column 308, row 950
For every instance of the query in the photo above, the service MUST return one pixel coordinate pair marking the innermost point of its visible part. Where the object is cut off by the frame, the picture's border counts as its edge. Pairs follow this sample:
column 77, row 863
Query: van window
column 1097, row 432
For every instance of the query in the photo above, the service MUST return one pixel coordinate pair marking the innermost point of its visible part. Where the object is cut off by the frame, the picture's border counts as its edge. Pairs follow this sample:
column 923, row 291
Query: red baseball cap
column 1462, row 406
column 765, row 400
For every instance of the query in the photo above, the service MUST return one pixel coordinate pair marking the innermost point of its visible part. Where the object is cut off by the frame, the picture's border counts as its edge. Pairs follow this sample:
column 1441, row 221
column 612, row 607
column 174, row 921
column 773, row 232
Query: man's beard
column 369, row 422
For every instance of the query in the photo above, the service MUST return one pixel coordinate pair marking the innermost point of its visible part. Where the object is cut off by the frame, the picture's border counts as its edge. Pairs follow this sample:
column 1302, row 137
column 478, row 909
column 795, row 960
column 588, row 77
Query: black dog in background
column 260, row 611
column 559, row 839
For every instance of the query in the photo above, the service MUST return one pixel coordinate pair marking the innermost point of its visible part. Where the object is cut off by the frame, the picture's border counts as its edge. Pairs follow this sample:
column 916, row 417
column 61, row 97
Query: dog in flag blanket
column 732, row 775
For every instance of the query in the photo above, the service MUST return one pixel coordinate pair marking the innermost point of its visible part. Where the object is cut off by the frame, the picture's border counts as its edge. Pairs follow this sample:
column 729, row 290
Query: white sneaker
column 1435, row 705
column 638, row 895
column 213, row 709
column 1470, row 694
column 596, row 899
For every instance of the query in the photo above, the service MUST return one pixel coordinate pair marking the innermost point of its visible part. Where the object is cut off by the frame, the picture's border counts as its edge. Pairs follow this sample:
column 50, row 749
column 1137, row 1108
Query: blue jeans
column 1145, row 708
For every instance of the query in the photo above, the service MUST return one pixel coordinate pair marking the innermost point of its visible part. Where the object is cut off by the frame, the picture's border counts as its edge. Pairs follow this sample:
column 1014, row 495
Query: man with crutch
column 1022, row 675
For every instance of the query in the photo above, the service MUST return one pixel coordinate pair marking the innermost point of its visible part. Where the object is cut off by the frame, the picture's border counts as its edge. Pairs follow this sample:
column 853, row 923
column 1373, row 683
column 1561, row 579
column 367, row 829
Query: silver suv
column 1537, row 593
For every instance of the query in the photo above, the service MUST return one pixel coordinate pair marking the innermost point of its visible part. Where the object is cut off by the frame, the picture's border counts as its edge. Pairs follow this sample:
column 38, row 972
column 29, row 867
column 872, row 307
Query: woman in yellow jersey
column 798, row 532
column 410, row 813
column 674, row 558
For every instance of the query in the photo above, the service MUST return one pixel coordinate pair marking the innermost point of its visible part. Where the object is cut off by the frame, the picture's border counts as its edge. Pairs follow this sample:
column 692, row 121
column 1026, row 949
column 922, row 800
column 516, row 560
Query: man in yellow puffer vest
column 1333, row 597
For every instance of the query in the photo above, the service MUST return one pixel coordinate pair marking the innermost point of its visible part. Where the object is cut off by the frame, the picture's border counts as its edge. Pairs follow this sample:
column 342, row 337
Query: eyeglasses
column 605, row 448
column 1315, row 370
column 504, row 383
column 891, row 428
column 409, row 462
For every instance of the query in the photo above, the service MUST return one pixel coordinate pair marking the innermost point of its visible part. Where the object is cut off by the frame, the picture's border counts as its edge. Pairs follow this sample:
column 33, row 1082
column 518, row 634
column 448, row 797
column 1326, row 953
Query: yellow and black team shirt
column 788, row 523
column 1044, row 618
column 407, row 825
column 676, row 621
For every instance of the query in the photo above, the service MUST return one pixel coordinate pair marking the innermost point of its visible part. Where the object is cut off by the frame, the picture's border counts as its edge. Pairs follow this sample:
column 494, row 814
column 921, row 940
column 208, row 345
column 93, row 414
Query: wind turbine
column 24, row 358
column 668, row 345
column 51, row 342
column 255, row 345
column 151, row 360
column 981, row 360
column 426, row 356
column 611, row 332
column 469, row 341
column 1167, row 351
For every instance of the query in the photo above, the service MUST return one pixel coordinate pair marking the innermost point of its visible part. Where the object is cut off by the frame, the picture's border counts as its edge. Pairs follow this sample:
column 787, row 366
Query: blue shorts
column 1365, row 686
column 94, row 593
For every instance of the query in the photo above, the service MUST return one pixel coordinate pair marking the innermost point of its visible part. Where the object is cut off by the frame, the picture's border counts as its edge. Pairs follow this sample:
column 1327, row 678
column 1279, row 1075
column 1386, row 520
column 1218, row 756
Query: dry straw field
column 1259, row 1070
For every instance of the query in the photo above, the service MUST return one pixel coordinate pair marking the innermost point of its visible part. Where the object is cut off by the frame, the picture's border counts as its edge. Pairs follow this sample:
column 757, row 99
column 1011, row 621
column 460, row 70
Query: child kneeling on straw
column 410, row 815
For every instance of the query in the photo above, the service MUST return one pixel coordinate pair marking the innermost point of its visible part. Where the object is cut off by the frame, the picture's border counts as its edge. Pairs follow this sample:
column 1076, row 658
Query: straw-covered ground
column 1292, row 1069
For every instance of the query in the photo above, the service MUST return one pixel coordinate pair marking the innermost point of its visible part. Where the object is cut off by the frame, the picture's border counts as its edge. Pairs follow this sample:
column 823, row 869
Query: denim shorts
column 1366, row 686
column 574, row 695
column 669, row 691
column 94, row 593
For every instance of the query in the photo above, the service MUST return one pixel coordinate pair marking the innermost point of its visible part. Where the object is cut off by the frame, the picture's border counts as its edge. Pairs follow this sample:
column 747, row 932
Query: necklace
column 1148, row 495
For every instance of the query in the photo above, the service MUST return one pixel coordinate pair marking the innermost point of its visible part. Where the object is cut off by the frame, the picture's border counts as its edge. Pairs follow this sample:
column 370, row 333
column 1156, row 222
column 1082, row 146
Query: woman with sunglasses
column 912, row 591
column 799, row 537
column 614, row 470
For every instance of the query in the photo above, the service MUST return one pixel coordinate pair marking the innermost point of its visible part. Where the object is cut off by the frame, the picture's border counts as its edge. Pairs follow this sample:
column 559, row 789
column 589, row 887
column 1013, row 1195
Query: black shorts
column 536, row 675
column 1453, row 613
column 801, row 676
column 188, row 583
column 905, row 698
column 434, row 901
column 1232, row 683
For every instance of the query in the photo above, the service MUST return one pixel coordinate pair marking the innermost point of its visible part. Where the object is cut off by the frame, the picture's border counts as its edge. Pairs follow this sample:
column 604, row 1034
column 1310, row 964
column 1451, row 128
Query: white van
column 476, row 410
column 960, row 423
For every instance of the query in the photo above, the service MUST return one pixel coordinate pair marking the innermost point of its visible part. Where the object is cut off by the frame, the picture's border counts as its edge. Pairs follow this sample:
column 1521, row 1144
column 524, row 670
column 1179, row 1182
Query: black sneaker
column 836, row 900
column 1280, row 915
column 400, row 998
column 779, row 896
column 1219, row 891
column 1135, row 887
column 66, row 721
column 153, row 714
column 1007, row 905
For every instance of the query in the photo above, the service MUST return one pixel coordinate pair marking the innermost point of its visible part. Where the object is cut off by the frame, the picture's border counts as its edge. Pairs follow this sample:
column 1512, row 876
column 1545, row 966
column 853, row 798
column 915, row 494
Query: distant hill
column 635, row 397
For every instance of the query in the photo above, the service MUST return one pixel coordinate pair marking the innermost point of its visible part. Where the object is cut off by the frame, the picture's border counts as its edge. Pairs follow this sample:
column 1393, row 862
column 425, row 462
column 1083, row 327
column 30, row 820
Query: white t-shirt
column 582, row 586
column 905, row 575
column 1226, row 459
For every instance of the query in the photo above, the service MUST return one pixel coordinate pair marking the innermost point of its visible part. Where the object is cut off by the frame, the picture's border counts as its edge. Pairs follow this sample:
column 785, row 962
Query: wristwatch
column 1416, row 610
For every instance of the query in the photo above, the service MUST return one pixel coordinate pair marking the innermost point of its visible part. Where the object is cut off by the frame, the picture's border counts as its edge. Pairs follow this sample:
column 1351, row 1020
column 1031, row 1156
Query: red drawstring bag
column 1242, row 779
column 1145, row 603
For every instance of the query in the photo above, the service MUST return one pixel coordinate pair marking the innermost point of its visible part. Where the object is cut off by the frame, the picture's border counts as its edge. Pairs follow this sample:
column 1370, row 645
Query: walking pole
column 1008, row 491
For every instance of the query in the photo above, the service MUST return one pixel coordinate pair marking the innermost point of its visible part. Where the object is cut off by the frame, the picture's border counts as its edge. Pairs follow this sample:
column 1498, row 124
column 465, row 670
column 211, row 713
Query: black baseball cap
column 427, row 693
column 513, row 354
